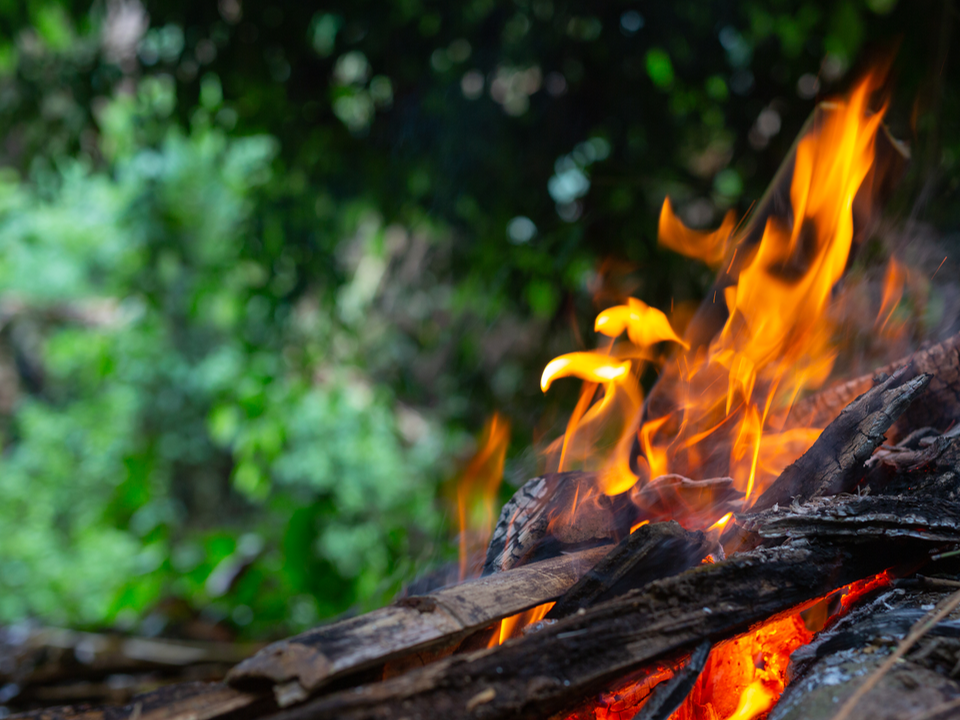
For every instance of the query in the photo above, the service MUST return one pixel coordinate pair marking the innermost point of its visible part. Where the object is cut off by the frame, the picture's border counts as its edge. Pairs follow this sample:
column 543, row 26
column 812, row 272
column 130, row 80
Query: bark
column 650, row 553
column 940, row 406
column 562, row 664
column 928, row 518
column 836, row 460
column 830, row 669
column 412, row 625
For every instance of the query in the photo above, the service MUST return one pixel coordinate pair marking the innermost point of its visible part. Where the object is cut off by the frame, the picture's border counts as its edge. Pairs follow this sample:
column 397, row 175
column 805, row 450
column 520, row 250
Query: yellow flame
column 645, row 325
column 754, row 701
column 592, row 367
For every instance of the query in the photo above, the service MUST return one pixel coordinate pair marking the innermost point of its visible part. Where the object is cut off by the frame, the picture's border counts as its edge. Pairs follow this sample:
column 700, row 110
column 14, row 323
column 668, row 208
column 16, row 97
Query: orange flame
column 645, row 326
column 709, row 247
column 513, row 626
column 724, row 406
column 476, row 491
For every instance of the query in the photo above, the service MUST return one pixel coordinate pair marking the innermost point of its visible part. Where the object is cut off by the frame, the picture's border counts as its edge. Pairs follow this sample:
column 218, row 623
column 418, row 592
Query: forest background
column 267, row 267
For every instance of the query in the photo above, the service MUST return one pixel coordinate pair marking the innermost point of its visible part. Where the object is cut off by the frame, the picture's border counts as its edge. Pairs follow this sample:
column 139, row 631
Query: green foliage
column 184, row 363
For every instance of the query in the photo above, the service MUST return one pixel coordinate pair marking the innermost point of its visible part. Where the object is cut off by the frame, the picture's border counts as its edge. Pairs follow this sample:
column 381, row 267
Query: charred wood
column 651, row 552
column 835, row 462
column 829, row 670
column 927, row 518
column 527, row 530
column 542, row 673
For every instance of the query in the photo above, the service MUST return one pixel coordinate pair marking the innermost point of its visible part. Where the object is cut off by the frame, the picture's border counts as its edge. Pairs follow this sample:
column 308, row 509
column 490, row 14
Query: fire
column 745, row 676
column 721, row 406
column 476, row 491
column 708, row 247
column 513, row 626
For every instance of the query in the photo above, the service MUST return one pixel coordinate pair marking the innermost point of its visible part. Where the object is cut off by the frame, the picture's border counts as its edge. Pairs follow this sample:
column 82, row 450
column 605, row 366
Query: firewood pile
column 641, row 615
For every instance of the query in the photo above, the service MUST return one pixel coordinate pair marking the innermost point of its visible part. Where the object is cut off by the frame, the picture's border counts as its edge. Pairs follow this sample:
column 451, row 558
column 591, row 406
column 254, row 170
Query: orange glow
column 709, row 247
column 639, row 525
column 476, row 491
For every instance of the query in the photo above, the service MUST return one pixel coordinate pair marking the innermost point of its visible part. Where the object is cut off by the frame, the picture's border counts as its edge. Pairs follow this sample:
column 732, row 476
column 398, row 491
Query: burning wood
column 547, row 671
column 650, row 553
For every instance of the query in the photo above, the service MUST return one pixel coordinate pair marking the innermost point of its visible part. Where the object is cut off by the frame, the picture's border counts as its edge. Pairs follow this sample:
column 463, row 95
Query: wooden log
column 834, row 463
column 416, row 624
column 651, row 552
column 940, row 408
column 545, row 672
column 526, row 531
column 933, row 519
column 830, row 669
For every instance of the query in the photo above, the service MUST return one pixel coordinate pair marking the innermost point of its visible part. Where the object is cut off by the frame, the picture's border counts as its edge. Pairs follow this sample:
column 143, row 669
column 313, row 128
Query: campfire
column 741, row 542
